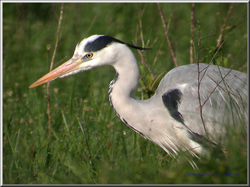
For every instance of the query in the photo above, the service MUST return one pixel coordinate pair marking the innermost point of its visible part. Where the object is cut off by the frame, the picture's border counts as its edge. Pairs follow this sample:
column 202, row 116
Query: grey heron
column 171, row 117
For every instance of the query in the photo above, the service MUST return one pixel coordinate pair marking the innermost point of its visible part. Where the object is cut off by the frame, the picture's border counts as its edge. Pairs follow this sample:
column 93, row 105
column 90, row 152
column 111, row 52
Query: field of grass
column 87, row 143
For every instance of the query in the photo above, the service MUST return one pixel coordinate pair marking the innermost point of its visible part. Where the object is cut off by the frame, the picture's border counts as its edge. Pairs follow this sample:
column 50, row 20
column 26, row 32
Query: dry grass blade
column 199, row 82
column 192, row 34
column 166, row 33
column 51, row 66
column 217, row 84
column 224, row 25
column 158, row 52
column 143, row 45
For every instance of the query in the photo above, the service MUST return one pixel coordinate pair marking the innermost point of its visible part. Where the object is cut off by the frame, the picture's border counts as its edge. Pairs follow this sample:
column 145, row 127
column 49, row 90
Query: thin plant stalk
column 51, row 66
column 191, row 34
column 224, row 25
column 166, row 33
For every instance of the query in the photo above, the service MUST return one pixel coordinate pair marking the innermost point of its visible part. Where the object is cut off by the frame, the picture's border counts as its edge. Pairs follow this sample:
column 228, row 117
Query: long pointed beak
column 62, row 70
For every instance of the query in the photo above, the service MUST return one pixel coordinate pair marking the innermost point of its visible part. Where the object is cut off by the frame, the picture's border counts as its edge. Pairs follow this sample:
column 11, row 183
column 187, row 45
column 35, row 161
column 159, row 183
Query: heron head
column 96, row 50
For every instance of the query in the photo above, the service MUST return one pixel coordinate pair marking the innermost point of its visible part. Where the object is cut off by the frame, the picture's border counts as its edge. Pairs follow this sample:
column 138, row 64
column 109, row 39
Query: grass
column 88, row 144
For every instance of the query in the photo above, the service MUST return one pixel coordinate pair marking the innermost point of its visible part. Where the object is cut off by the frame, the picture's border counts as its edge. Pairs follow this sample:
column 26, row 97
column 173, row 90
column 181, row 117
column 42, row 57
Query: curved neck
column 124, row 83
column 121, row 88
column 127, row 77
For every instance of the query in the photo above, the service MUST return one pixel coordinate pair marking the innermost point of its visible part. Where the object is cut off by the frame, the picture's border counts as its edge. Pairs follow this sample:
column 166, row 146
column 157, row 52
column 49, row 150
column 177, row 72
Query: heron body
column 171, row 117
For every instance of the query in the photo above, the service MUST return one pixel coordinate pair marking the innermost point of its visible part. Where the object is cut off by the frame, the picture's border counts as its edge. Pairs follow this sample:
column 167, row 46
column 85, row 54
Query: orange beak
column 63, row 70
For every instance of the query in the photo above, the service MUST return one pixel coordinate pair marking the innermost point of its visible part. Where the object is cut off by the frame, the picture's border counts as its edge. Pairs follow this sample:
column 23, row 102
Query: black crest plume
column 104, row 41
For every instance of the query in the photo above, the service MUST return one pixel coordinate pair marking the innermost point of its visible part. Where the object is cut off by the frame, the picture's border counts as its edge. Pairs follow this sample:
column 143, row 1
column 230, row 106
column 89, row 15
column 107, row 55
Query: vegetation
column 87, row 143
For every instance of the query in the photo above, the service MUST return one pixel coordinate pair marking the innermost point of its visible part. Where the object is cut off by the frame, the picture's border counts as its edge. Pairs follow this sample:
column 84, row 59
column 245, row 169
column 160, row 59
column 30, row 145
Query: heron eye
column 89, row 55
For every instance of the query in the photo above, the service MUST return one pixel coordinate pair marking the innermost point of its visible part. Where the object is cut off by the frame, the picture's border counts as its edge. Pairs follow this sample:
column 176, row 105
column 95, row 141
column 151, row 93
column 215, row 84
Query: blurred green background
column 87, row 143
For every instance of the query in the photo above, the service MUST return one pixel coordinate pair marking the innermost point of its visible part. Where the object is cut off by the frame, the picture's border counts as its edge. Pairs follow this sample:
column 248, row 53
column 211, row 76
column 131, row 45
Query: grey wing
column 223, row 97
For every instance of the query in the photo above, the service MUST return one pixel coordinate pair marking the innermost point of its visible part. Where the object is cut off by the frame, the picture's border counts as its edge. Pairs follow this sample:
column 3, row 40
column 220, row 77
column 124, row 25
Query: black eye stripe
column 103, row 41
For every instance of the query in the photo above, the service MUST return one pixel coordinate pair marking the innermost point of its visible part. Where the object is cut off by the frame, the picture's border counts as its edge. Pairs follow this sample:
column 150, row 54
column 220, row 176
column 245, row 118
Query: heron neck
column 121, row 89
column 126, row 79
